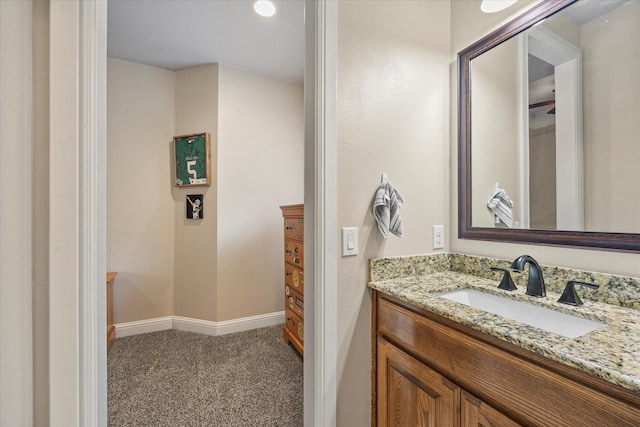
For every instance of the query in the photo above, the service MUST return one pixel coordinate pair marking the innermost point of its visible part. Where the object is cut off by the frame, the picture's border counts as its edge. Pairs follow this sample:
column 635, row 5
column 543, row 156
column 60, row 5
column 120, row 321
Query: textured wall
column 196, row 240
column 496, row 103
column 392, row 112
column 140, row 235
column 260, row 167
column 16, row 177
column 611, row 66
column 229, row 264
column 41, row 214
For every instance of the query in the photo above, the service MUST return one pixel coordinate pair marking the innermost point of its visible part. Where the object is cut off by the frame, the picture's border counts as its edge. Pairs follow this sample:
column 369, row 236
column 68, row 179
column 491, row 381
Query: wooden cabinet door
column 476, row 413
column 411, row 394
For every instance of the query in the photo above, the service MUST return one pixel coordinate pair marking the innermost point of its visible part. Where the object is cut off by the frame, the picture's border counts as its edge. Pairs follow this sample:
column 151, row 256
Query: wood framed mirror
column 594, row 198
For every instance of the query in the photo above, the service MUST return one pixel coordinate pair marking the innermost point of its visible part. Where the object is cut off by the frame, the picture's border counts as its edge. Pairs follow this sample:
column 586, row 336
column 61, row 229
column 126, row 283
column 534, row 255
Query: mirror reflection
column 556, row 123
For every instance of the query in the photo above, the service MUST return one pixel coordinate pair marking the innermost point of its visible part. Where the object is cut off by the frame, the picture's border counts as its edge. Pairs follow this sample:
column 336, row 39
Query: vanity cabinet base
column 498, row 383
column 415, row 395
column 474, row 412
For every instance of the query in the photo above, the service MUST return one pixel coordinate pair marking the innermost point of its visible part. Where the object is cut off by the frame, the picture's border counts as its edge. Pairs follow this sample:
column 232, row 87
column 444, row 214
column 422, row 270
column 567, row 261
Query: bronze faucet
column 535, row 284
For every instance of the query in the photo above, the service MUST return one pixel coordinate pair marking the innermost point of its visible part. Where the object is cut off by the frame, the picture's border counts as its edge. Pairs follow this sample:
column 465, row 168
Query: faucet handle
column 506, row 283
column 570, row 296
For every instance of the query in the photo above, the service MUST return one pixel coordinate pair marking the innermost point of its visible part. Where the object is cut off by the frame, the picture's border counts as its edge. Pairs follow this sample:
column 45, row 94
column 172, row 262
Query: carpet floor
column 176, row 378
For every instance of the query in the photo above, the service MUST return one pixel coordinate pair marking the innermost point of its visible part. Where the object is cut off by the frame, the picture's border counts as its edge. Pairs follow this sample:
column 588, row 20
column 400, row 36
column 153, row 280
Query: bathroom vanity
column 438, row 362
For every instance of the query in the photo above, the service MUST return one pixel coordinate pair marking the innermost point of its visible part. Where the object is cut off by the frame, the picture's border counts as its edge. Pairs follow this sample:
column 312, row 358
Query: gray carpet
column 175, row 378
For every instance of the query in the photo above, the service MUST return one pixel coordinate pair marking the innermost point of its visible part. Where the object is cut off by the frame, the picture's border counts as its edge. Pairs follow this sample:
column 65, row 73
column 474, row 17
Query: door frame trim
column 78, row 214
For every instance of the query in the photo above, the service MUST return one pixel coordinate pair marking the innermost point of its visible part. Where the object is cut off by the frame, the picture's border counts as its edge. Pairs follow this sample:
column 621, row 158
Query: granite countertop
column 611, row 352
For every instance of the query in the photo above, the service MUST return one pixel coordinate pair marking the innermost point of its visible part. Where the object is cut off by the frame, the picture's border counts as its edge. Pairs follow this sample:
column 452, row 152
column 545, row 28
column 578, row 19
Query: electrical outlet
column 438, row 237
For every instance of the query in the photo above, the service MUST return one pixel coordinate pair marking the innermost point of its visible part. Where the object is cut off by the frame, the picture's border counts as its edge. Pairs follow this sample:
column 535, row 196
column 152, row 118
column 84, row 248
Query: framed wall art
column 195, row 206
column 192, row 157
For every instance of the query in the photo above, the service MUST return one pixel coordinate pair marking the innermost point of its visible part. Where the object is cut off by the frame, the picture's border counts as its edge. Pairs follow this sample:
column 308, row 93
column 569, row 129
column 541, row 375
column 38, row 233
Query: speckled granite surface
column 404, row 266
column 611, row 352
column 614, row 289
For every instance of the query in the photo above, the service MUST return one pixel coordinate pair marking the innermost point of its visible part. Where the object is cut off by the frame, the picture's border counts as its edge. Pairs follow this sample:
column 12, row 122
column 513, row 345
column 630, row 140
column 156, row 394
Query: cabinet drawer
column 294, row 278
column 294, row 324
column 294, row 252
column 294, row 228
column 294, row 301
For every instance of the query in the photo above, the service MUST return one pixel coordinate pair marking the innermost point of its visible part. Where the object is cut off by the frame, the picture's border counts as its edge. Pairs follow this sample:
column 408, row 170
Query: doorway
column 552, row 178
column 85, row 22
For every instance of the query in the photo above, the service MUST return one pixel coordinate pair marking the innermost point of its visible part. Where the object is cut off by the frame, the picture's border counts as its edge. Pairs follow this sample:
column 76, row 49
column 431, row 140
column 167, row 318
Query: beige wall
column 496, row 130
column 16, row 213
column 611, row 127
column 227, row 265
column 468, row 24
column 41, row 214
column 542, row 178
column 196, row 293
column 140, row 212
column 392, row 111
column 260, row 152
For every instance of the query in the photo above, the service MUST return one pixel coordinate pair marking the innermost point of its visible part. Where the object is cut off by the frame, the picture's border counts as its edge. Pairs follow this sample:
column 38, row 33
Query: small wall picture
column 195, row 206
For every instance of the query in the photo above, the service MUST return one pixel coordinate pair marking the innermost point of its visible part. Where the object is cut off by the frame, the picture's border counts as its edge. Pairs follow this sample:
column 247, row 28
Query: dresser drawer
column 294, row 252
column 294, row 277
column 294, row 228
column 294, row 301
column 294, row 324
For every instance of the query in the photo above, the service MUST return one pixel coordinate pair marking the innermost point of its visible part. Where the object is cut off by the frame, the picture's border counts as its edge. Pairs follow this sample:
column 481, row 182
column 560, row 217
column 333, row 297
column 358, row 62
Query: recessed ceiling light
column 491, row 6
column 264, row 8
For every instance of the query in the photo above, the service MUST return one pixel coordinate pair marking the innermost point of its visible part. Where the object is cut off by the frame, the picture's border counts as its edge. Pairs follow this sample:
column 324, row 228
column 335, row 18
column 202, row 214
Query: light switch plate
column 349, row 241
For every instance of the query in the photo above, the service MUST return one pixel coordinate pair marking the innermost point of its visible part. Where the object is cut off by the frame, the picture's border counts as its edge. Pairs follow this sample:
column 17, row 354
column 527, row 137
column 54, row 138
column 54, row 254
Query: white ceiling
column 176, row 34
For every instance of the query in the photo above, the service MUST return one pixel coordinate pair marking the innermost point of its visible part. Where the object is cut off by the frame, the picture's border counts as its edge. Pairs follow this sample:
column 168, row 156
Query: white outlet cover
column 438, row 237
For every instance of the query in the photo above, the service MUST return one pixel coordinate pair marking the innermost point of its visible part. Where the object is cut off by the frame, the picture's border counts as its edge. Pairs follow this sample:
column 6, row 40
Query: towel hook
column 384, row 179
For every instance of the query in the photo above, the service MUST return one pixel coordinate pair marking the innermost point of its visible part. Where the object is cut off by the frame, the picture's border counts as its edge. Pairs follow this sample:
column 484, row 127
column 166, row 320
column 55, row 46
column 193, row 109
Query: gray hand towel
column 501, row 205
column 386, row 208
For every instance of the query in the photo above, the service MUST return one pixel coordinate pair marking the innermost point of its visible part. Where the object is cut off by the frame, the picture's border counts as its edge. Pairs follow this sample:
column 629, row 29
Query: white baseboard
column 206, row 327
column 143, row 326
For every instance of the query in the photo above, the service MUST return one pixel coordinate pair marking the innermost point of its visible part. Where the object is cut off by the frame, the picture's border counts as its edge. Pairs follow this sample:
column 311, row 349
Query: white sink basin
column 533, row 315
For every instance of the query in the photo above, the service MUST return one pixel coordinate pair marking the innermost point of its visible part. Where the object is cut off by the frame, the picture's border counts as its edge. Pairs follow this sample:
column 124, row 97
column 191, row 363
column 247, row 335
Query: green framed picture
column 192, row 160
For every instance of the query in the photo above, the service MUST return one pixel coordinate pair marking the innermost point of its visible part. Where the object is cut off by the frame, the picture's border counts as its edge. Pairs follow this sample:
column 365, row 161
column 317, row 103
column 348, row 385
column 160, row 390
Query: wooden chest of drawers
column 111, row 330
column 293, row 330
